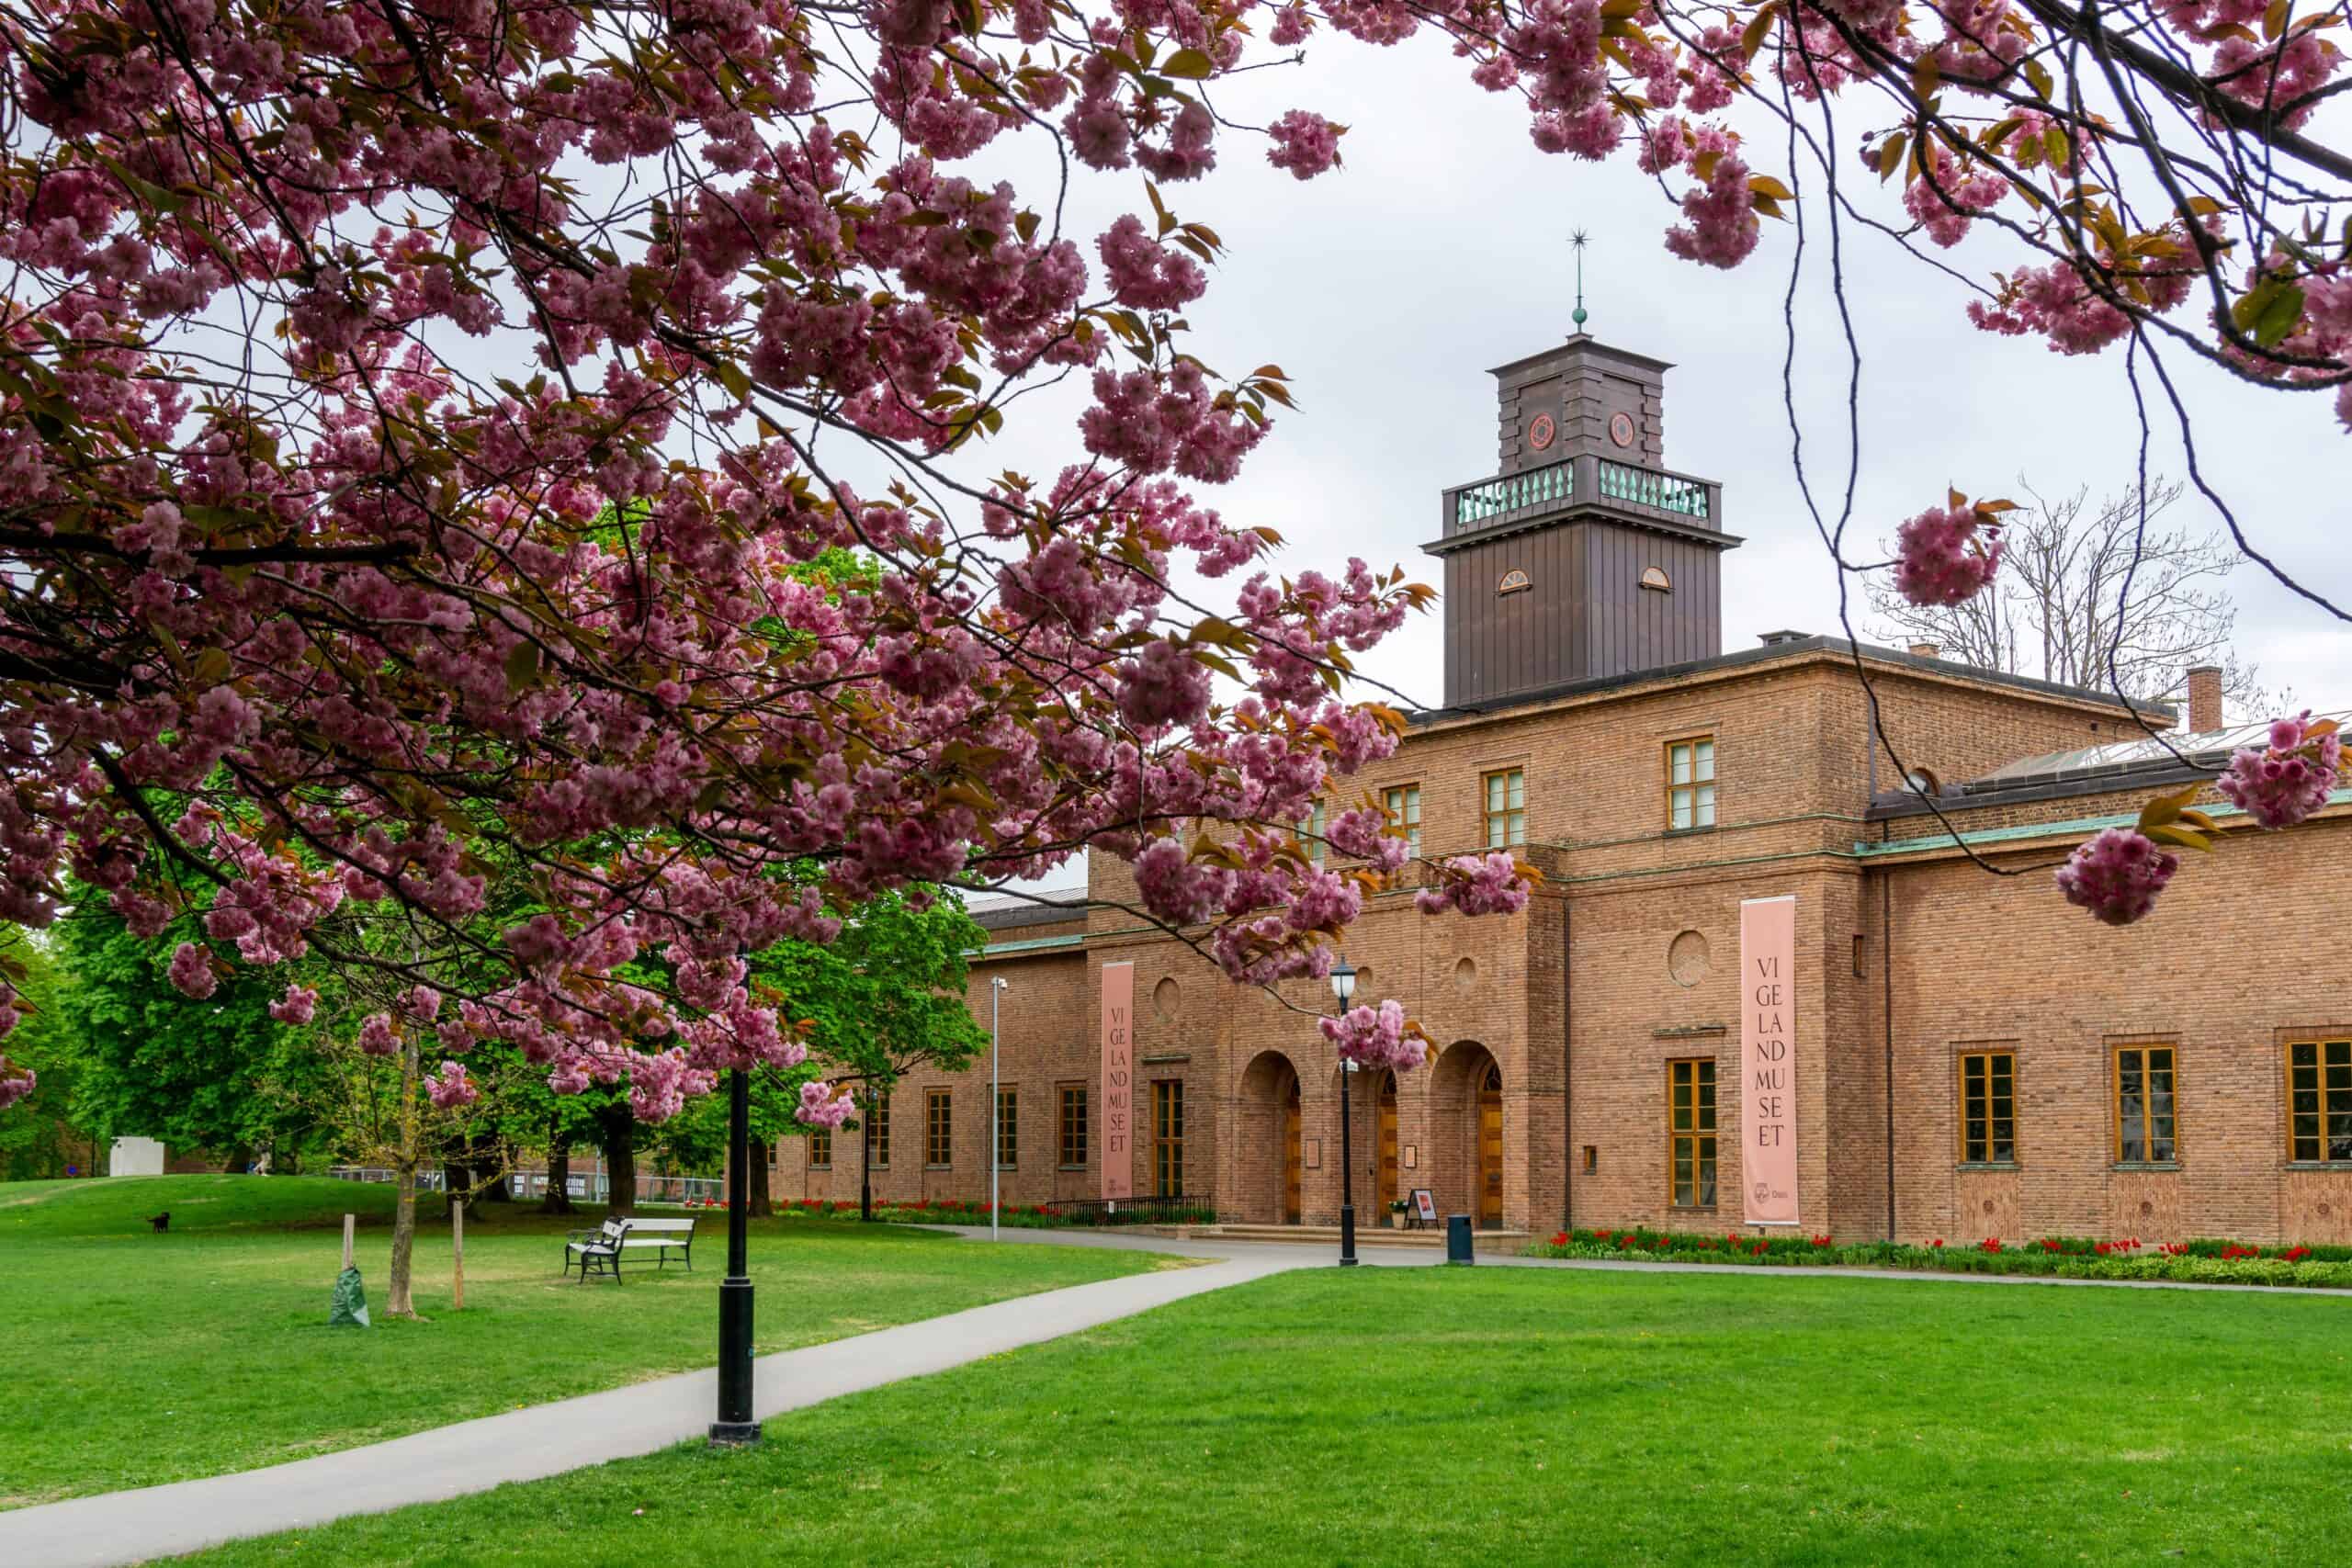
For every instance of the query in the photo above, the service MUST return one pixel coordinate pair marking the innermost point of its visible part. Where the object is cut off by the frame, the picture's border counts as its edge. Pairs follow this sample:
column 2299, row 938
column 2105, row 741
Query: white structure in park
column 135, row 1156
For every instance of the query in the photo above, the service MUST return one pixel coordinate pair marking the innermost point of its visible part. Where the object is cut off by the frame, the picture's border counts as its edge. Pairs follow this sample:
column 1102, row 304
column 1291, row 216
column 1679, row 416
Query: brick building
column 1972, row 1057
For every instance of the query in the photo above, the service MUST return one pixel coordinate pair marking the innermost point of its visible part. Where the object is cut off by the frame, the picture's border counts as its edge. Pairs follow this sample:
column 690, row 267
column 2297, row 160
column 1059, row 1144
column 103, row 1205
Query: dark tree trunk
column 489, row 1161
column 865, row 1162
column 616, row 1131
column 759, row 1200
column 556, row 1199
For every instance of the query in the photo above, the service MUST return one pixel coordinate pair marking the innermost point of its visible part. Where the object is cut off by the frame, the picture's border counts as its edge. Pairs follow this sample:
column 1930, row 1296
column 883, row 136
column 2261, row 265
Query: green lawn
column 1500, row 1416
column 135, row 1358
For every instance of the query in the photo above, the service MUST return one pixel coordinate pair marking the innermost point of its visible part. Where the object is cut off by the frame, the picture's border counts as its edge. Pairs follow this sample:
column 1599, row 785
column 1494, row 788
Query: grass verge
column 1396, row 1415
column 137, row 1359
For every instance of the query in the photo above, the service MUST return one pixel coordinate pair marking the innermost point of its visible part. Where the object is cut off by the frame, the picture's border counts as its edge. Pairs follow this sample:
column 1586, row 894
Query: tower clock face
column 1620, row 429
column 1541, row 431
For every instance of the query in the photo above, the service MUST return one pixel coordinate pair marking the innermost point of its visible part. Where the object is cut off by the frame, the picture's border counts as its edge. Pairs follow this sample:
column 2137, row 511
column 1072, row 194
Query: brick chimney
column 1926, row 650
column 2204, row 699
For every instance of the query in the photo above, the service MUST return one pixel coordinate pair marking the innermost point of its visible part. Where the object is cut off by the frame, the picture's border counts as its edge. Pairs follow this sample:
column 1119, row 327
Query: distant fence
column 591, row 1188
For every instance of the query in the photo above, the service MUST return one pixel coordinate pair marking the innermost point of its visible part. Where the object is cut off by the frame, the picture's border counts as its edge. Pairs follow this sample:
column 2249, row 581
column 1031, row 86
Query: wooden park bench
column 600, row 1251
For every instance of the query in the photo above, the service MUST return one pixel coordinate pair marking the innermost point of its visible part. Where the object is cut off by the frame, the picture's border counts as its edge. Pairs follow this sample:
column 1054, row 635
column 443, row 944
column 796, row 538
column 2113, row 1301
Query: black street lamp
column 1343, row 985
column 735, row 1426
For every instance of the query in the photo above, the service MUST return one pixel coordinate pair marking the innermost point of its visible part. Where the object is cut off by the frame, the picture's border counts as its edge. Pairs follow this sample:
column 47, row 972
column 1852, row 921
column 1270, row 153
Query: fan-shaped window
column 1514, row 582
column 1654, row 577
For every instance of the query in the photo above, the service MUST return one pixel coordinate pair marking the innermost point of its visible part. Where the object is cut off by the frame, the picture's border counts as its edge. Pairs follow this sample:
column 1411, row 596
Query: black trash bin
column 1457, row 1239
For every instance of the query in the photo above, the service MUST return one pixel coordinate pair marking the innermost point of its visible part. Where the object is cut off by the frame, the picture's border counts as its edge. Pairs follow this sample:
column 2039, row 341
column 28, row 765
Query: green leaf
column 1190, row 64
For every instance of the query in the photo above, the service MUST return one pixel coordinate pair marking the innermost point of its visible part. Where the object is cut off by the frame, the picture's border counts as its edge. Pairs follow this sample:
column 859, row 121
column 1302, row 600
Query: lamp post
column 998, row 985
column 735, row 1426
column 1343, row 985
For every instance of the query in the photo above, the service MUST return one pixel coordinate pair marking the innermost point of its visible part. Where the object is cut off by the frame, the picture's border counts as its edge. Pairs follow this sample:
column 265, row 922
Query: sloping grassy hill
column 119, row 1205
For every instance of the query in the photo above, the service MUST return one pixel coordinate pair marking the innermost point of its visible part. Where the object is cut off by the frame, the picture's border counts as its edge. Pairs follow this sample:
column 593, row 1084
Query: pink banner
column 1768, row 1059
column 1118, row 1080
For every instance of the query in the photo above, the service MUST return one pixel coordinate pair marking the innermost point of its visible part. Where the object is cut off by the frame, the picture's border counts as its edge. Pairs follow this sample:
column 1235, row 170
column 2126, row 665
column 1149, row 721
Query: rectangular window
column 1988, row 1108
column 1507, row 808
column 2319, row 1099
column 877, row 1127
column 1690, row 1131
column 1404, row 804
column 1691, row 783
column 1310, row 833
column 2143, row 1105
column 1168, row 1137
column 821, row 1148
column 1073, row 1128
column 938, row 1127
column 1008, row 1128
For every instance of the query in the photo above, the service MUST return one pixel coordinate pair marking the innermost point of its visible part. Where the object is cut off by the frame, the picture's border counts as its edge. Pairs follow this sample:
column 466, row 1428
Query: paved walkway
column 547, row 1440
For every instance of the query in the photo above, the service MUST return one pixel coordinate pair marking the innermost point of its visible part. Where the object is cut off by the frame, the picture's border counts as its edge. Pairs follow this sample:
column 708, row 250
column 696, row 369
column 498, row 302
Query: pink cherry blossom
column 450, row 1089
column 377, row 1036
column 16, row 1082
column 2289, row 779
column 191, row 971
column 1377, row 1038
column 820, row 1107
column 296, row 1007
column 1306, row 144
column 1945, row 555
column 1491, row 883
column 2116, row 876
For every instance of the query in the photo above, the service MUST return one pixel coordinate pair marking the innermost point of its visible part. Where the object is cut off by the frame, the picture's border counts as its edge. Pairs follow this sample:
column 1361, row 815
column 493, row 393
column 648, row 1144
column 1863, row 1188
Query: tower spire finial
column 1577, row 243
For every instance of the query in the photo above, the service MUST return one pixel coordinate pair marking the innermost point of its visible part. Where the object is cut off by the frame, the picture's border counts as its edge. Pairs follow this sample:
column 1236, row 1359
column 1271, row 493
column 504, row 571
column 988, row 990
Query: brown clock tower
column 1584, row 558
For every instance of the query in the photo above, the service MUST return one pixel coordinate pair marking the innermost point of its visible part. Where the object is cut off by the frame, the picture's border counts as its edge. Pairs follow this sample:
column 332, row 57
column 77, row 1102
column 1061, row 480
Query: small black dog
column 161, row 1222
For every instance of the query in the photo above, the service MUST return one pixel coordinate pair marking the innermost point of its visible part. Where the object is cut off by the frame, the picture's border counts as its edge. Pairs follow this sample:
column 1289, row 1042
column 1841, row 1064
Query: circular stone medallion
column 1620, row 429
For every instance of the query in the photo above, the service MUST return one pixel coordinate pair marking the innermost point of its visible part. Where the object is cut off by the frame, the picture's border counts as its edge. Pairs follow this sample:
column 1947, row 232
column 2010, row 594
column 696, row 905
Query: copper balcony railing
column 1587, row 479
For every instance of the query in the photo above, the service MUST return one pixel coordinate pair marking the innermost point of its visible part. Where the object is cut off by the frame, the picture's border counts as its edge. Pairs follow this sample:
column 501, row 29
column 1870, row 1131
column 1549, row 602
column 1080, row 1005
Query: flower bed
column 951, row 1211
column 2201, row 1261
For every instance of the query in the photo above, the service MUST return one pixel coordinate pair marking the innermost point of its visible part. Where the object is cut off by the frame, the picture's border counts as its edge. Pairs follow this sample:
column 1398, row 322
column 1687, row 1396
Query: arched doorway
column 1491, row 1150
column 1466, row 1148
column 1269, row 1148
column 1389, row 1191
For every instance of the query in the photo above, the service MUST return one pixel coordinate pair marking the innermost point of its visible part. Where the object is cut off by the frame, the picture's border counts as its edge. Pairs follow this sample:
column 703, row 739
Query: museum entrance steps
column 1499, row 1242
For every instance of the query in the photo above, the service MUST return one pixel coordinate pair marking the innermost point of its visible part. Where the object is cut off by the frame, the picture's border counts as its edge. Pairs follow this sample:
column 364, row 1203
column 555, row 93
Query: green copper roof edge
column 2074, row 827
column 1029, row 945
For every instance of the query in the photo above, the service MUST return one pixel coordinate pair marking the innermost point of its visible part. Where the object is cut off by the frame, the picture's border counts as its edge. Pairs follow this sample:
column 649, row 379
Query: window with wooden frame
column 2319, row 1100
column 1168, row 1137
column 938, row 1127
column 1008, row 1128
column 1403, row 803
column 1073, row 1126
column 1311, row 830
column 2143, row 1105
column 1988, row 1108
column 821, row 1148
column 1691, row 781
column 1505, row 809
column 1690, row 1131
column 877, row 1128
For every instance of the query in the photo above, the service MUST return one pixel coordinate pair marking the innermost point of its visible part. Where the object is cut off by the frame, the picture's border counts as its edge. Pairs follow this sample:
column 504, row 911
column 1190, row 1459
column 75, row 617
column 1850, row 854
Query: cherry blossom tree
column 303, row 604
column 414, row 415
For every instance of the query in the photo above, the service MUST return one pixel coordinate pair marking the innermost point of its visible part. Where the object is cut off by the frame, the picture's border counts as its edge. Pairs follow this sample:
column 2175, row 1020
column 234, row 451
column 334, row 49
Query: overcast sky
column 1389, row 287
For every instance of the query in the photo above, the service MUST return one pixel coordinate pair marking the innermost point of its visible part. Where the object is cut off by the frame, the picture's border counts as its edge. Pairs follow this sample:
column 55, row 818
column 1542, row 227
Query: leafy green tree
column 885, row 996
column 42, row 1137
column 219, row 1074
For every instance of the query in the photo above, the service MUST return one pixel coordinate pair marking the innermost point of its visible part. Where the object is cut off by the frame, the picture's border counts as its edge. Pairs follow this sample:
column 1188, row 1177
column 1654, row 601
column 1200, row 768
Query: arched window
column 1654, row 577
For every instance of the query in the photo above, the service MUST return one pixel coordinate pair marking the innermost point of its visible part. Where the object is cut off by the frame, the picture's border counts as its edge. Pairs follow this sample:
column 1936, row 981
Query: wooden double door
column 1491, row 1150
column 1294, row 1140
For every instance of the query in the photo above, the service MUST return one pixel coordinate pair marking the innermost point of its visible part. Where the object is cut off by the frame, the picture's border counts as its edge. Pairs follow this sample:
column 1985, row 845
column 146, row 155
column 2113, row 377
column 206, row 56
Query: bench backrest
column 664, row 1226
column 612, row 1230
